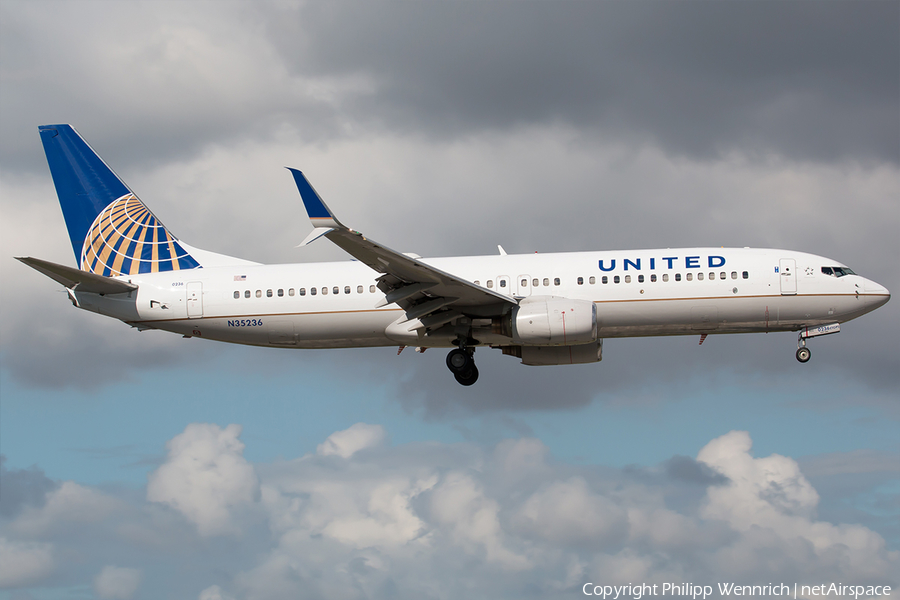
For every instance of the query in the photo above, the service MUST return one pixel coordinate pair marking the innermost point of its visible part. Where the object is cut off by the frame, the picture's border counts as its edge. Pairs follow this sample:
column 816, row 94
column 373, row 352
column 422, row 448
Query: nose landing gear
column 461, row 363
column 803, row 353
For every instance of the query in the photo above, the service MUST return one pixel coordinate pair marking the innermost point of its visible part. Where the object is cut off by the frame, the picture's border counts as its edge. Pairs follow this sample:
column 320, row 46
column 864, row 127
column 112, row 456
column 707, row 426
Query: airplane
column 544, row 309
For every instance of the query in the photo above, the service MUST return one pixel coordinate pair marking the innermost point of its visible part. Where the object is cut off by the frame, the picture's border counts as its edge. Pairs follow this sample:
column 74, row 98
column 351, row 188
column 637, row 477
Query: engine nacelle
column 557, row 355
column 553, row 321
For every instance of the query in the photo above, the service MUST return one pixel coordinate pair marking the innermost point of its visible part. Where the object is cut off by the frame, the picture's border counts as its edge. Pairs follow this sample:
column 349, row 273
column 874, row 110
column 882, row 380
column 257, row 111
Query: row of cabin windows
column 502, row 284
column 302, row 291
column 665, row 277
column 618, row 279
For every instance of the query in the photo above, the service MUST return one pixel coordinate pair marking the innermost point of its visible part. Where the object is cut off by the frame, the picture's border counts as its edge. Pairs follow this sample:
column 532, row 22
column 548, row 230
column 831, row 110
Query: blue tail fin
column 112, row 232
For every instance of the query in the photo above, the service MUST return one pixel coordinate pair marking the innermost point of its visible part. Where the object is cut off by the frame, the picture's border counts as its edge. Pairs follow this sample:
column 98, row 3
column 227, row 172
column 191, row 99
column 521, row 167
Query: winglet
column 320, row 215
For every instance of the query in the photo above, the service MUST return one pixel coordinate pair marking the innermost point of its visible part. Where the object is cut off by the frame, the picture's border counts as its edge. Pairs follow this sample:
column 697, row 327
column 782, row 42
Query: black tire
column 458, row 360
column 803, row 354
column 467, row 377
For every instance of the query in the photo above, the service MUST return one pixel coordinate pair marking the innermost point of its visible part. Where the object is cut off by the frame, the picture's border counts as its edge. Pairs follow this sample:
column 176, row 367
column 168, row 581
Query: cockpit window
column 837, row 271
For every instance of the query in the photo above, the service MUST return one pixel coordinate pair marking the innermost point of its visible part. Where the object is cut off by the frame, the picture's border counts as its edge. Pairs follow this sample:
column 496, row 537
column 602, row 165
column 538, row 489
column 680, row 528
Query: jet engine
column 550, row 321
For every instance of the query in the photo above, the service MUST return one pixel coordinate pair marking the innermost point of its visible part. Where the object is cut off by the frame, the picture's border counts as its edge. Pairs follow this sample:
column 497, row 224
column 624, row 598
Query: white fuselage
column 637, row 293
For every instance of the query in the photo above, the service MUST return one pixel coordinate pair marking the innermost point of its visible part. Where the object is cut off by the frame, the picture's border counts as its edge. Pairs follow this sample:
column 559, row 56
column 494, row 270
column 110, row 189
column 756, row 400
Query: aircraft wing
column 427, row 294
column 78, row 280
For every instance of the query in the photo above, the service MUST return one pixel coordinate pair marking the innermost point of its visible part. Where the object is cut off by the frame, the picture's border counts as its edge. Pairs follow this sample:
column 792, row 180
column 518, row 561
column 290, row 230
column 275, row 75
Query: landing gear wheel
column 458, row 360
column 468, row 376
column 803, row 354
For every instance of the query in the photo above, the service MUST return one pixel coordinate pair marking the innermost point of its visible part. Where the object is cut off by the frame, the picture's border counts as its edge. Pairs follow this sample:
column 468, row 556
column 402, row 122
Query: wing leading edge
column 429, row 296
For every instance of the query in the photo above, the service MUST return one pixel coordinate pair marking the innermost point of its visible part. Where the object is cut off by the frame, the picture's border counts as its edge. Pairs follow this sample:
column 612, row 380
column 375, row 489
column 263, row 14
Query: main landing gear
column 461, row 363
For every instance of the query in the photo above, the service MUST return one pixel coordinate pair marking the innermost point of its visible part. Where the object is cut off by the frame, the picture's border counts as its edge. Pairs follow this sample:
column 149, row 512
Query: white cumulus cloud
column 24, row 563
column 206, row 477
column 117, row 583
column 348, row 442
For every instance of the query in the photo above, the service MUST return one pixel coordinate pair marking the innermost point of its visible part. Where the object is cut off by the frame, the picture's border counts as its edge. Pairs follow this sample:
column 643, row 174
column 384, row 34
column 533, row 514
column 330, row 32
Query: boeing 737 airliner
column 545, row 309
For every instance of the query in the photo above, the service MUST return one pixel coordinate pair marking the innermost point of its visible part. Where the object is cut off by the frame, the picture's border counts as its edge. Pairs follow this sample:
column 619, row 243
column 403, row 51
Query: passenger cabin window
column 689, row 276
column 556, row 281
column 371, row 289
column 746, row 275
column 268, row 293
column 535, row 282
column 665, row 276
column 640, row 279
column 302, row 291
column 604, row 279
column 336, row 290
column 616, row 279
column 581, row 281
column 653, row 278
column 677, row 276
column 359, row 289
column 723, row 275
column 246, row 293
column 259, row 293
column 628, row 279
column 346, row 289
column 734, row 274
column 313, row 291
column 546, row 282
column 502, row 283
column 592, row 280
column 290, row 291
column 324, row 291
column 237, row 295
column 280, row 292
column 699, row 276
column 490, row 283
column 524, row 283
column 477, row 282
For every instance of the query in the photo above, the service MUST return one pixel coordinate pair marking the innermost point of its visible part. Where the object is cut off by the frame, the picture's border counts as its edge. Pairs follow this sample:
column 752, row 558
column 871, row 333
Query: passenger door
column 788, row 276
column 194, row 300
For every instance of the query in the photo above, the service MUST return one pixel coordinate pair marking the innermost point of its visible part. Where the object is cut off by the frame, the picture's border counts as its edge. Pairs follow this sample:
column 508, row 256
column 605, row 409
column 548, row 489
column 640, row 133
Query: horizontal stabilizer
column 78, row 280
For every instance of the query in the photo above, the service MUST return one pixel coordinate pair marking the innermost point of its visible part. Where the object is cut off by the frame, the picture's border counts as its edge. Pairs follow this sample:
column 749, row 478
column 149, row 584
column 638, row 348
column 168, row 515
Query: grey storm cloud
column 810, row 81
column 803, row 80
column 23, row 487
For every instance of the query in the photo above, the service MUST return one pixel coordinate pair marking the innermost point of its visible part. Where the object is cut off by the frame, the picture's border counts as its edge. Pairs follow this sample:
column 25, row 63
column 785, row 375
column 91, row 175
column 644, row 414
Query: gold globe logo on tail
column 127, row 239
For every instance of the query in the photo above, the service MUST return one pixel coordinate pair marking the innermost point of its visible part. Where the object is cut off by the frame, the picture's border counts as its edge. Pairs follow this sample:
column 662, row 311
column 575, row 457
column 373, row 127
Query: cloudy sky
column 144, row 465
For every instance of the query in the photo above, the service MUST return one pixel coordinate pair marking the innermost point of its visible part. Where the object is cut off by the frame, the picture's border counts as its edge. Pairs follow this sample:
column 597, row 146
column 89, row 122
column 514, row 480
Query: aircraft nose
column 876, row 293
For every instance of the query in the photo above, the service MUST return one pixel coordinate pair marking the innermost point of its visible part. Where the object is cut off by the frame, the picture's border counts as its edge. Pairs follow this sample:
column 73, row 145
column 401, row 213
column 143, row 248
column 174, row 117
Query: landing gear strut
column 461, row 363
column 803, row 352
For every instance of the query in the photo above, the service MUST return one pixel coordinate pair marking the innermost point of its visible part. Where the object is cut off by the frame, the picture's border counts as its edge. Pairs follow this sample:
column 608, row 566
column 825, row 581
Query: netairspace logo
column 684, row 590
